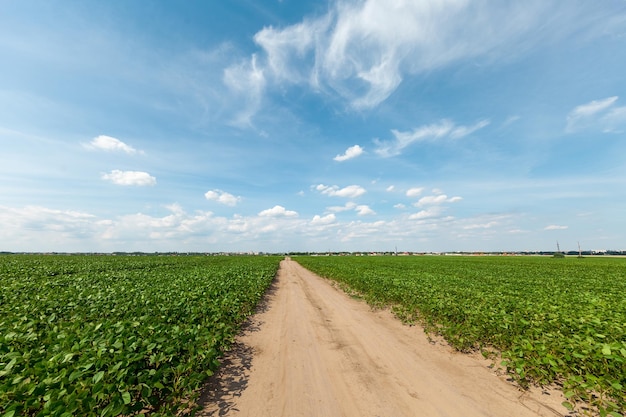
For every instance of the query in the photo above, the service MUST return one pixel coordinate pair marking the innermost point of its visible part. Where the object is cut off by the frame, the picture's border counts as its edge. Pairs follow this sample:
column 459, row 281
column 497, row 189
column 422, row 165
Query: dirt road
column 314, row 351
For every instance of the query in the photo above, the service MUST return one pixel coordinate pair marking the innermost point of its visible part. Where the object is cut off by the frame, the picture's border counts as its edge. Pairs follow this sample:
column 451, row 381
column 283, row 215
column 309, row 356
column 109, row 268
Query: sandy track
column 314, row 351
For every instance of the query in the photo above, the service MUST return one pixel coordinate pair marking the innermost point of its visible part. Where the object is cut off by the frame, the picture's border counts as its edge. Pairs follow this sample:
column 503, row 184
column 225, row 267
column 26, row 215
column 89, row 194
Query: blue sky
column 311, row 126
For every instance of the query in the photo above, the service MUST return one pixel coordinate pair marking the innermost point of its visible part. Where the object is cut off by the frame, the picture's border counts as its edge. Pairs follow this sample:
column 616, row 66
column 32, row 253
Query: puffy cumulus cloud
column 36, row 228
column 425, row 214
column 436, row 199
column 555, row 227
column 351, row 191
column 222, row 197
column 433, row 205
column 360, row 209
column 350, row 153
column 138, row 178
column 337, row 209
column 597, row 114
column 431, row 200
column 413, row 192
column 278, row 211
column 443, row 129
column 108, row 143
column 364, row 210
column 320, row 220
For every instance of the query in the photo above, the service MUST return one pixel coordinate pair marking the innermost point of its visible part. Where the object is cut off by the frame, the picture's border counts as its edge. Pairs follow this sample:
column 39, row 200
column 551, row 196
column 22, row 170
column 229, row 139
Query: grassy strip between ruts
column 554, row 320
column 118, row 335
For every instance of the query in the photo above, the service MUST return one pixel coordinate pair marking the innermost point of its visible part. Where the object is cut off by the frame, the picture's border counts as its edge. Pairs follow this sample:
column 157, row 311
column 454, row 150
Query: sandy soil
column 314, row 351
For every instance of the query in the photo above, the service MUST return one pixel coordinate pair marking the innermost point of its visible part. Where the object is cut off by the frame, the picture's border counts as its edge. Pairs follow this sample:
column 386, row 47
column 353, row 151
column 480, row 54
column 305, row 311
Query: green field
column 111, row 335
column 553, row 320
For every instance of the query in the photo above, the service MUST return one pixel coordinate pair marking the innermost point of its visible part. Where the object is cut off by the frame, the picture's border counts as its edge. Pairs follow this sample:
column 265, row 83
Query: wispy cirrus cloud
column 350, row 153
column 555, row 227
column 138, row 178
column 443, row 129
column 222, row 197
column 363, row 50
column 247, row 80
column 600, row 114
column 110, row 144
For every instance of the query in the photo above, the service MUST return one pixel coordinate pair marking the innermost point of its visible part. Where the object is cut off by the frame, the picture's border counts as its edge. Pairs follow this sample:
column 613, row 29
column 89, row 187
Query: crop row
column 553, row 320
column 107, row 336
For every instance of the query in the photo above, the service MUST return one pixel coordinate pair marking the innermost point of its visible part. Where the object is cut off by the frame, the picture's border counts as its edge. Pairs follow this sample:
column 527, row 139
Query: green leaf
column 126, row 397
column 568, row 405
column 75, row 374
column 569, row 394
column 606, row 349
column 98, row 377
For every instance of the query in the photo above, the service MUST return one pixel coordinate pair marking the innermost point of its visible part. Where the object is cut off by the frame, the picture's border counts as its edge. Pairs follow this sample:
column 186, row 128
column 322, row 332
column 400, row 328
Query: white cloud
column 431, row 200
column 278, row 211
column 436, row 200
column 329, row 218
column 222, row 197
column 462, row 131
column 337, row 209
column 351, row 152
column 594, row 113
column 425, row 214
column 413, row 192
column 351, row 191
column 443, row 129
column 510, row 120
column 593, row 107
column 390, row 188
column 488, row 225
column 615, row 120
column 129, row 178
column 247, row 80
column 108, row 143
column 362, row 50
column 286, row 48
column 363, row 210
column 555, row 227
